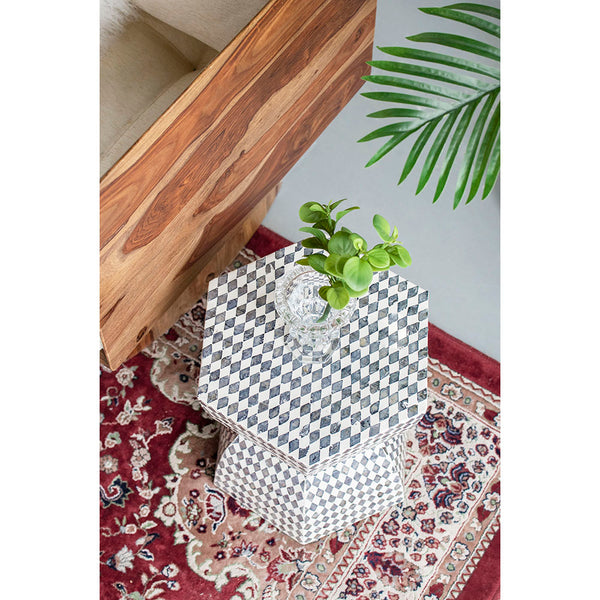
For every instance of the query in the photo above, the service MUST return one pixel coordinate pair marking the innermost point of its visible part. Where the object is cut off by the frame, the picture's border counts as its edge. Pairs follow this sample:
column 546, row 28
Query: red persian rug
column 166, row 532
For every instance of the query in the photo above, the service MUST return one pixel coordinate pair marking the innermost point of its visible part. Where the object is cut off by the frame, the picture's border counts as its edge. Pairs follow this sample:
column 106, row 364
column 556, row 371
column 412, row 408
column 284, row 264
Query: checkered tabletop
column 310, row 418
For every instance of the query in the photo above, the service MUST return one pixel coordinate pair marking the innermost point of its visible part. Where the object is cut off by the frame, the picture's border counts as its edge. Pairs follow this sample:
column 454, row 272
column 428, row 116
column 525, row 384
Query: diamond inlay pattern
column 311, row 416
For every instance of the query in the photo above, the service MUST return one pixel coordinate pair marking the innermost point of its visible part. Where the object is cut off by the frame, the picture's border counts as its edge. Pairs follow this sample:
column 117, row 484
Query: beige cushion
column 138, row 126
column 114, row 15
column 197, row 52
column 134, row 71
column 214, row 22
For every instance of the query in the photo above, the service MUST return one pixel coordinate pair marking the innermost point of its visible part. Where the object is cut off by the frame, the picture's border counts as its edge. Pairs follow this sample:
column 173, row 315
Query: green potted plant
column 457, row 109
column 319, row 295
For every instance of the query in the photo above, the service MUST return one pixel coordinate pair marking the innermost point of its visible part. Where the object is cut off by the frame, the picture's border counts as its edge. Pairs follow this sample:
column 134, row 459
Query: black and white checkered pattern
column 312, row 448
column 311, row 415
column 309, row 506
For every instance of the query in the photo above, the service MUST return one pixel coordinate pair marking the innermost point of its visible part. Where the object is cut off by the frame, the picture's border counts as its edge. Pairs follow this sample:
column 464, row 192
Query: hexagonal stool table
column 312, row 448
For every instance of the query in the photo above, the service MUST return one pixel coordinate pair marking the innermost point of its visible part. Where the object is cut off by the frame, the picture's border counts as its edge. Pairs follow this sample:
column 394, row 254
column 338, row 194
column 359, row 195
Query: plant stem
column 325, row 313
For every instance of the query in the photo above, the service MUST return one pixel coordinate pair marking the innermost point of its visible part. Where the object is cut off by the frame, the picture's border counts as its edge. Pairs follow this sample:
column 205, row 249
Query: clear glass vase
column 298, row 303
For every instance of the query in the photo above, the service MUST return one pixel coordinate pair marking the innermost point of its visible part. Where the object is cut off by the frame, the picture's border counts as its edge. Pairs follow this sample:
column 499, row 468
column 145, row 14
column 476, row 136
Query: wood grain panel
column 187, row 186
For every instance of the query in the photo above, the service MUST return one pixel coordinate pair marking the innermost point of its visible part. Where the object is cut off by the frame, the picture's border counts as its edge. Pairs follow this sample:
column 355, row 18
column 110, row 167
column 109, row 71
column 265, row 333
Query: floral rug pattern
column 167, row 533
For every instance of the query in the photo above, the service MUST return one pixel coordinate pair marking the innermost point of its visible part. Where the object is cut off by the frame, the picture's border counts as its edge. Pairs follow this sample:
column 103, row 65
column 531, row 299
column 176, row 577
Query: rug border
column 466, row 361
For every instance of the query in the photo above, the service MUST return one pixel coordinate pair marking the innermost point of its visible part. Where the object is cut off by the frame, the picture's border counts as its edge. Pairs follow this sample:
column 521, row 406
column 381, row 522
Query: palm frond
column 493, row 168
column 417, row 86
column 418, row 148
column 472, row 146
column 482, row 9
column 436, row 149
column 485, row 149
column 388, row 147
column 459, row 42
column 421, row 71
column 443, row 59
column 464, row 109
column 457, row 138
column 456, row 15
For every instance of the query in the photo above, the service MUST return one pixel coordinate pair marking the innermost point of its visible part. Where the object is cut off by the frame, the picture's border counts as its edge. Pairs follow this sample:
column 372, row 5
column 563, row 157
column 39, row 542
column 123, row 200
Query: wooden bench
column 180, row 204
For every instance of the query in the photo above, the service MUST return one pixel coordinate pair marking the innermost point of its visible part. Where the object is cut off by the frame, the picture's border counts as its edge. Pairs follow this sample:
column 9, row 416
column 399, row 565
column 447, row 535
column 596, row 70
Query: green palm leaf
column 442, row 59
column 420, row 71
column 418, row 148
column 472, row 148
column 482, row 9
column 398, row 112
column 407, row 99
column 436, row 149
column 459, row 42
column 417, row 86
column 469, row 118
column 485, row 150
column 455, row 15
column 392, row 129
column 493, row 168
column 388, row 147
column 459, row 133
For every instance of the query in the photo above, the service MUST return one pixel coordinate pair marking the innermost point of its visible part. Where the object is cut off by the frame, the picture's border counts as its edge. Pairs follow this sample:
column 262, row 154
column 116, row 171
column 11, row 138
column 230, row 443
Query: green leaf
column 315, row 243
column 407, row 99
column 429, row 73
column 418, row 148
column 455, row 142
column 325, row 225
column 398, row 112
column 459, row 42
column 487, row 143
column 308, row 215
column 388, row 146
column 338, row 297
column 323, row 291
column 333, row 206
column 472, row 145
column 493, row 168
column 315, row 206
column 404, row 255
column 382, row 227
column 355, row 293
column 435, row 150
column 378, row 258
column 317, row 262
column 340, row 243
column 409, row 126
column 454, row 15
column 441, row 59
column 316, row 232
column 419, row 86
column 334, row 265
column 358, row 273
column 400, row 256
column 343, row 213
column 482, row 9
column 303, row 261
column 359, row 242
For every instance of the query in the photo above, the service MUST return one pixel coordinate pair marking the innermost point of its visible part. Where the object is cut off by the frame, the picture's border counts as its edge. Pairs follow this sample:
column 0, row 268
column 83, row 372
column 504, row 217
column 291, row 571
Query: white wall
column 456, row 253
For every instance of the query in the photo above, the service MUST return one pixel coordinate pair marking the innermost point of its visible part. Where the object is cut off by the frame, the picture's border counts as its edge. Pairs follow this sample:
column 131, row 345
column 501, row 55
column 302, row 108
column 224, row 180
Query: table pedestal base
column 309, row 506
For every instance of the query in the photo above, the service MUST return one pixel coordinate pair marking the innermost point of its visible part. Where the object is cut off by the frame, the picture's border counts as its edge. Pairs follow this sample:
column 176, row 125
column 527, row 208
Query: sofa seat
column 143, row 71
